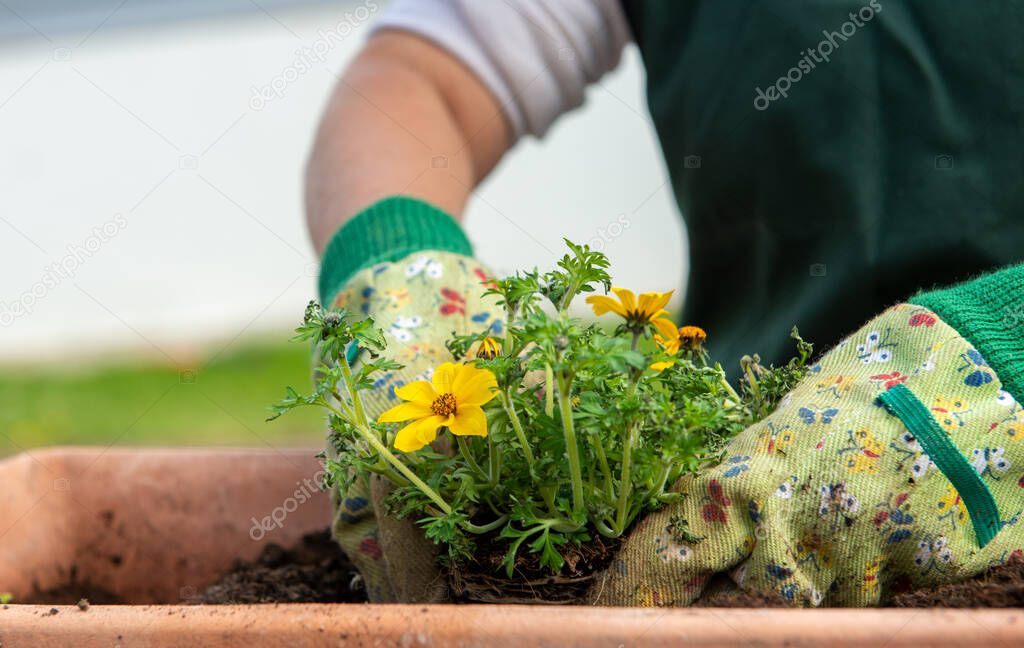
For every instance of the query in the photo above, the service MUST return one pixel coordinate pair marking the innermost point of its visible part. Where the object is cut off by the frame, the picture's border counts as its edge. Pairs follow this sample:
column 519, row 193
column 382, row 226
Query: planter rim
column 232, row 484
column 496, row 626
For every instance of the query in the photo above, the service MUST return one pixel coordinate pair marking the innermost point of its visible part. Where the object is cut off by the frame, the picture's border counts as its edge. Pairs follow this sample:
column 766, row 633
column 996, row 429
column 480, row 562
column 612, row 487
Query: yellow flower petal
column 671, row 346
column 661, row 366
column 473, row 386
column 469, row 420
column 627, row 298
column 404, row 412
column 652, row 302
column 444, row 376
column 419, row 392
column 665, row 326
column 418, row 433
column 603, row 304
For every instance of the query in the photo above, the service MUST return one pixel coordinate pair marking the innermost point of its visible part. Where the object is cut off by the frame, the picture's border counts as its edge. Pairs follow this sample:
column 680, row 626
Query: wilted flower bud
column 561, row 342
column 692, row 337
column 488, row 349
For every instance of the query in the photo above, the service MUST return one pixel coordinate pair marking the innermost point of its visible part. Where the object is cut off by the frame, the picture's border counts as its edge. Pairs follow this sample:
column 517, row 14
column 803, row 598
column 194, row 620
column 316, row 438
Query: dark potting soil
column 999, row 587
column 317, row 571
column 484, row 579
column 71, row 592
column 314, row 571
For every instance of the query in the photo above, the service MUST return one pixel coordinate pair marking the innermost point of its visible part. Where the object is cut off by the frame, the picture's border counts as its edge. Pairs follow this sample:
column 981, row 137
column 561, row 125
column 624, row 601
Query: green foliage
column 213, row 396
column 763, row 388
column 583, row 436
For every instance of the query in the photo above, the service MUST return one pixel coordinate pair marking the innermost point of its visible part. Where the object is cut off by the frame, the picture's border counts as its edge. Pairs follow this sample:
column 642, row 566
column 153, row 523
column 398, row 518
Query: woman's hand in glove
column 897, row 462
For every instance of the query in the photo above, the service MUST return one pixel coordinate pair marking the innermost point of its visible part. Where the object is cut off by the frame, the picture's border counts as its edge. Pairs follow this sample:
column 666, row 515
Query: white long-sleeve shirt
column 536, row 56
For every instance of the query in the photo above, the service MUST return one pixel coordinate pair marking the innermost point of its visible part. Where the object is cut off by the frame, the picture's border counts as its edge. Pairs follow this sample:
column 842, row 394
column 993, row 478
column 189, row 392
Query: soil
column 71, row 593
column 722, row 592
column 317, row 571
column 314, row 571
column 999, row 587
column 484, row 580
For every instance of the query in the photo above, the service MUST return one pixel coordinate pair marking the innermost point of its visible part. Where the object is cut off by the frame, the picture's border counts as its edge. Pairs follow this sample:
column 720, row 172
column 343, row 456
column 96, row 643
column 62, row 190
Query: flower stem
column 484, row 528
column 725, row 383
column 571, row 447
column 658, row 486
column 467, row 454
column 357, row 402
column 383, row 451
column 606, row 470
column 549, row 391
column 604, row 529
column 625, row 482
column 493, row 461
column 510, row 409
column 626, row 478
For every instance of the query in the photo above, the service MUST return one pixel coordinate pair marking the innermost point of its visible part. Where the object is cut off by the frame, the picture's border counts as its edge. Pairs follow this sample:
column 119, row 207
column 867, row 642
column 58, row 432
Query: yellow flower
column 648, row 308
column 488, row 348
column 451, row 399
column 687, row 337
column 671, row 347
column 692, row 337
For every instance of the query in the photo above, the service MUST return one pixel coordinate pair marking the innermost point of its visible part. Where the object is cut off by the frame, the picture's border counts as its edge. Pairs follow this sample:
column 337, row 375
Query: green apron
column 830, row 165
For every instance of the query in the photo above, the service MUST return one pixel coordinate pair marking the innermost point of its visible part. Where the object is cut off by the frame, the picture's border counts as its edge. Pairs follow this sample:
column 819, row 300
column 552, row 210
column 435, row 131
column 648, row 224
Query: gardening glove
column 409, row 267
column 897, row 462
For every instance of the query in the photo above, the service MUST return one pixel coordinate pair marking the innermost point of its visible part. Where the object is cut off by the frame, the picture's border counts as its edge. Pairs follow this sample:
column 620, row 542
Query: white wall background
column 142, row 111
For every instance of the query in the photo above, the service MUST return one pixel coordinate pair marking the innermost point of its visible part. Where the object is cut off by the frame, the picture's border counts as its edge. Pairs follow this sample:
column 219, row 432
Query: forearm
column 405, row 119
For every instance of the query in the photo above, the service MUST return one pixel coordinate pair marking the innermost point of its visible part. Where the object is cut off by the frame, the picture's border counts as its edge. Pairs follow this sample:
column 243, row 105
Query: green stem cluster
column 355, row 416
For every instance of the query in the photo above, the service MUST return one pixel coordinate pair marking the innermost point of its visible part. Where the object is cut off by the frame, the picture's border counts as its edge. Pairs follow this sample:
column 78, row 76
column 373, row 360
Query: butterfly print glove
column 898, row 462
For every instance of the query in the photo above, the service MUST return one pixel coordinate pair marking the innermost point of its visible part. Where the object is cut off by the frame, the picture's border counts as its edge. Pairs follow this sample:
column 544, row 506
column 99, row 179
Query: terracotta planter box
column 153, row 526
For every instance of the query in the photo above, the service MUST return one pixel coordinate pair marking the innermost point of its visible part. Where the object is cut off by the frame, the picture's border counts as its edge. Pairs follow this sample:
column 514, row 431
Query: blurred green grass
column 222, row 401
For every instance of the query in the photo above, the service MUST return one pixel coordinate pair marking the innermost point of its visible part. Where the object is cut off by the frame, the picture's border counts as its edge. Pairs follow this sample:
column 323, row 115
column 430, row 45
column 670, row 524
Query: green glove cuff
column 989, row 313
column 387, row 230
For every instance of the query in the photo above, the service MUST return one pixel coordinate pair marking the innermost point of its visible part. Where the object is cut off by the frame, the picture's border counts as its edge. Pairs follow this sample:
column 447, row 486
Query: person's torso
column 832, row 157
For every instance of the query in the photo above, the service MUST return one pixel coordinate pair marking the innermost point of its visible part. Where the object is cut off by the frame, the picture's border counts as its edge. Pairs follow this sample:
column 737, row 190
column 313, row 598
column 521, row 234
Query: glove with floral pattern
column 409, row 267
column 898, row 462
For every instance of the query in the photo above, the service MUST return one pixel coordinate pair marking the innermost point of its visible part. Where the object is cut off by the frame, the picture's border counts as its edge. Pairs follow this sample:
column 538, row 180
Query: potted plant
column 119, row 524
column 563, row 432
column 563, row 435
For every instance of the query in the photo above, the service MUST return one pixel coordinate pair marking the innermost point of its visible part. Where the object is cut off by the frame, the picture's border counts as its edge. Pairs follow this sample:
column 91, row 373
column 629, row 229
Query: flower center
column 443, row 405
